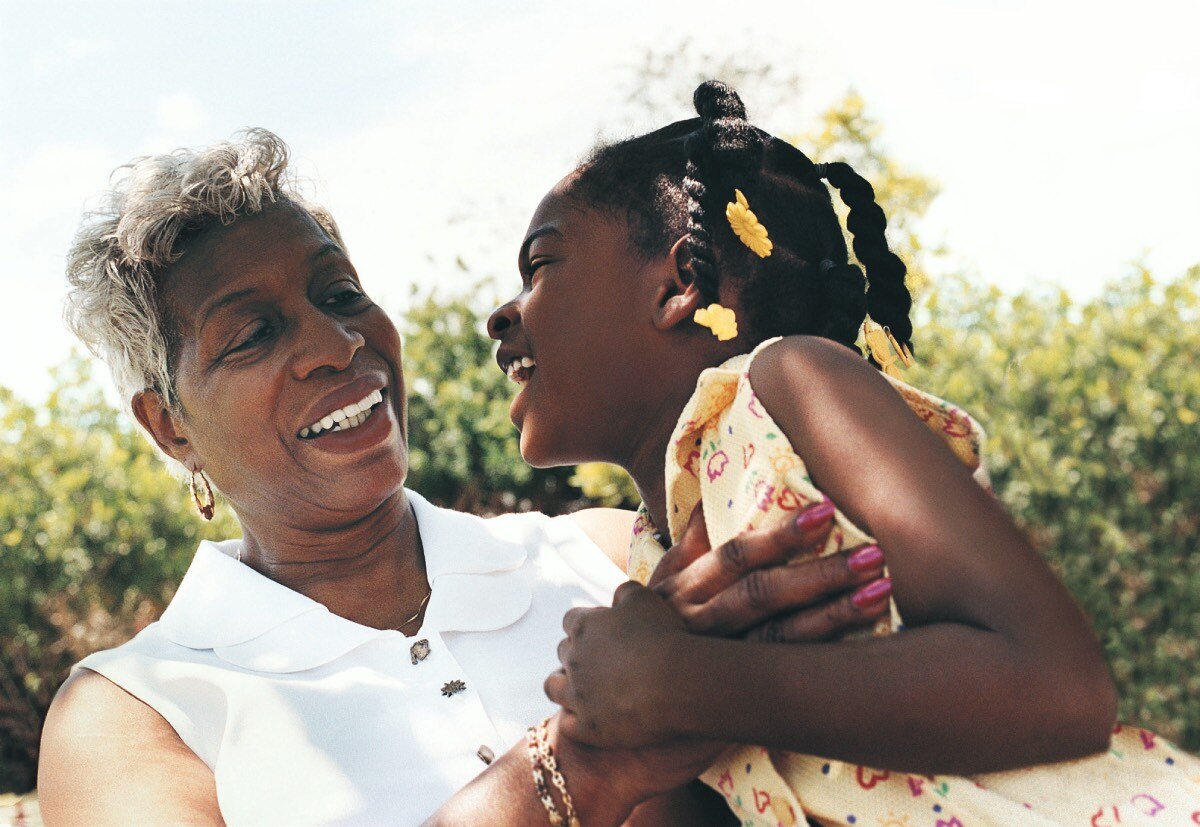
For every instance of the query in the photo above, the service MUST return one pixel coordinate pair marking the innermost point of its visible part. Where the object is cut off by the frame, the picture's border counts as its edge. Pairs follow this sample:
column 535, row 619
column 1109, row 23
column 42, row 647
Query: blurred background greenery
column 1091, row 406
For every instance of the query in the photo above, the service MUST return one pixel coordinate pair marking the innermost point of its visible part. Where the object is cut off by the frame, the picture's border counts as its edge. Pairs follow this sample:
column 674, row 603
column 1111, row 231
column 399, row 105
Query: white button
column 485, row 754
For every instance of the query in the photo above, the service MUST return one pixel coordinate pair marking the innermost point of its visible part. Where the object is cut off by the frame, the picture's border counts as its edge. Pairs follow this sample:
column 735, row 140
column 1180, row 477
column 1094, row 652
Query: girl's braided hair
column 678, row 179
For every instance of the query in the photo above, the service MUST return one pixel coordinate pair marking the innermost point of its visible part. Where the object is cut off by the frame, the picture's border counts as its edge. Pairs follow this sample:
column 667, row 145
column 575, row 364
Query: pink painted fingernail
column 865, row 559
column 872, row 593
column 813, row 517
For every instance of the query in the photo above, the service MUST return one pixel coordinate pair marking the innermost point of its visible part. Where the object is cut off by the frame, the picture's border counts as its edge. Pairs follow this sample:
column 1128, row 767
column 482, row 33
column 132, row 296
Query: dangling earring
column 205, row 509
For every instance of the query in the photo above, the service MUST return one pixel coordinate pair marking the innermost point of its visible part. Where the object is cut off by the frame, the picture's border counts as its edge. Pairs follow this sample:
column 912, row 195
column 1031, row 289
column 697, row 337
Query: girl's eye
column 343, row 296
column 534, row 266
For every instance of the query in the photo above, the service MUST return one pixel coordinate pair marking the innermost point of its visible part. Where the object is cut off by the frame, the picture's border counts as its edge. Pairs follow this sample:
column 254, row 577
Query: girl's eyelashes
column 344, row 293
column 535, row 265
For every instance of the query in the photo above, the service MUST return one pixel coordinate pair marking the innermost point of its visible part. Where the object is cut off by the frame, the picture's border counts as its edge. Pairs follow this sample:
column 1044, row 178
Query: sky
column 1062, row 134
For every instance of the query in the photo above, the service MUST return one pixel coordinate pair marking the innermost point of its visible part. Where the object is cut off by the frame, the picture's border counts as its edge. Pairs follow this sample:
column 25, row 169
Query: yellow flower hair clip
column 885, row 349
column 720, row 320
column 746, row 225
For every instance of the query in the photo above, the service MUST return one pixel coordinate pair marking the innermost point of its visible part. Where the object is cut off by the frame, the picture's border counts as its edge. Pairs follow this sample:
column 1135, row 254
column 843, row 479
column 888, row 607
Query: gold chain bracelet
column 541, row 757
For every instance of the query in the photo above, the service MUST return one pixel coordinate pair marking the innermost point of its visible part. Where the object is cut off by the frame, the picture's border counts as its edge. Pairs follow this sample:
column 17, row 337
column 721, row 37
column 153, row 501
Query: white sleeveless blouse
column 308, row 718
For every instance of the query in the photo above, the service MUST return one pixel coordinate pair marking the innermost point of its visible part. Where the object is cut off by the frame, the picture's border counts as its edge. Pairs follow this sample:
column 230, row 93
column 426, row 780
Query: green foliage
column 463, row 448
column 1091, row 410
column 94, row 536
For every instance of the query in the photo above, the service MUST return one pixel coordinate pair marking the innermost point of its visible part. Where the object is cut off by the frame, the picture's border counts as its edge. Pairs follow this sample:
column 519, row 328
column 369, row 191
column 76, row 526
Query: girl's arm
column 997, row 669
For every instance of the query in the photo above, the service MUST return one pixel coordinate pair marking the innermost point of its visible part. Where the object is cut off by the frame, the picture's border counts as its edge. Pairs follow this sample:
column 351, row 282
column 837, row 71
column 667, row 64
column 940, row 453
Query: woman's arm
column 108, row 758
column 606, row 787
column 998, row 668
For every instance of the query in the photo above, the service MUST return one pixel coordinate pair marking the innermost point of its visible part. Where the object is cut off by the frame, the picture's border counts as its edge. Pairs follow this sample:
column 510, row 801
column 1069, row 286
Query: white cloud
column 180, row 112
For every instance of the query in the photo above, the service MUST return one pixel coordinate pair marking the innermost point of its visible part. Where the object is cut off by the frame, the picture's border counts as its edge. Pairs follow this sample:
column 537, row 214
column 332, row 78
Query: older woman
column 359, row 654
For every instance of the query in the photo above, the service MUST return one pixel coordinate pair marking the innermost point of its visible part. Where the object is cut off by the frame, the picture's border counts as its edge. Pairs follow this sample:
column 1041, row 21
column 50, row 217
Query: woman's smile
column 354, row 427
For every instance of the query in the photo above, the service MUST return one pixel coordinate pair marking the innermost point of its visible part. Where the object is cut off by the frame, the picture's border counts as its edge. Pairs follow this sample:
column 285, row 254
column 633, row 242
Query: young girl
column 657, row 279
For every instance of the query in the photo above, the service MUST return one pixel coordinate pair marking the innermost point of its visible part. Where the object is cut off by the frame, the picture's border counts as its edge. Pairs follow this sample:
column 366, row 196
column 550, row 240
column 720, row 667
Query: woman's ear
column 153, row 414
column 677, row 298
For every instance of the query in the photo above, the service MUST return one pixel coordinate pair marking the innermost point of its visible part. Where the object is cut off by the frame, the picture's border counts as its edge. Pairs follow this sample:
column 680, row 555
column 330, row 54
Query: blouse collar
column 473, row 567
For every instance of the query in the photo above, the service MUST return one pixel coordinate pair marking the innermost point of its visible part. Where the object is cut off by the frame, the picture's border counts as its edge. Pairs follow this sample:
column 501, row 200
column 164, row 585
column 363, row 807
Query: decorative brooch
column 453, row 688
column 419, row 651
column 720, row 320
column 746, row 225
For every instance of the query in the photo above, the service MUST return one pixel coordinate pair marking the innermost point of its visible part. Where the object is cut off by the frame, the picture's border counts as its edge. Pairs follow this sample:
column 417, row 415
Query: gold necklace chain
column 420, row 609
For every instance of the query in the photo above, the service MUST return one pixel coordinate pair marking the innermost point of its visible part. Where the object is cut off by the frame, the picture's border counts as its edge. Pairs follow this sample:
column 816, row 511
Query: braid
column 725, row 146
column 675, row 183
column 887, row 300
column 699, row 244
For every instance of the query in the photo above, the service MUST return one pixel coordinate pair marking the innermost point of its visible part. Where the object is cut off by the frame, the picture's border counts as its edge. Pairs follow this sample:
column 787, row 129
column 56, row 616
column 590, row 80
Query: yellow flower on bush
column 746, row 226
column 720, row 320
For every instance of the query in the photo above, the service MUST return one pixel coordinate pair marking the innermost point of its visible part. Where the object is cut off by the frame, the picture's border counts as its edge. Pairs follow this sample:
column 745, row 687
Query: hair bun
column 714, row 100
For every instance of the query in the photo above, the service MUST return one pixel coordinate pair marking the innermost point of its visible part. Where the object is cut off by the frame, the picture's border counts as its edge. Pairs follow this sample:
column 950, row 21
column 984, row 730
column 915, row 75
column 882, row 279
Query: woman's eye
column 258, row 334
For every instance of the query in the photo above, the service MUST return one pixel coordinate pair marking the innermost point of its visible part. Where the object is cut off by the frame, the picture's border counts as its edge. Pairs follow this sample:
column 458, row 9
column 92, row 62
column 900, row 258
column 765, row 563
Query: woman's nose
column 502, row 318
column 327, row 343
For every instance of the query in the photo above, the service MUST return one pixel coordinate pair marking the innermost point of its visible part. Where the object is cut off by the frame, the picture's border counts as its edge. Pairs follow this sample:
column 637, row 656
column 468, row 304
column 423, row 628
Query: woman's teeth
column 519, row 370
column 343, row 419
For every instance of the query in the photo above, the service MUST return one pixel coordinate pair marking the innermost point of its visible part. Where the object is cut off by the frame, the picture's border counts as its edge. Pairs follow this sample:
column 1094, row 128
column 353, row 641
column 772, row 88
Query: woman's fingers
column 691, row 546
column 732, row 561
column 819, row 584
column 859, row 608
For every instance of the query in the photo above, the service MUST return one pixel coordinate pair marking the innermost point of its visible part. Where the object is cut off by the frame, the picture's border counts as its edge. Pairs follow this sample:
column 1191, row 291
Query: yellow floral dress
column 727, row 452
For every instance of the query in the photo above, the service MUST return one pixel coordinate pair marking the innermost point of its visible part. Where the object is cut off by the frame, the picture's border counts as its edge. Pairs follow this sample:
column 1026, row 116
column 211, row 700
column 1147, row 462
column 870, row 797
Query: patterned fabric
column 727, row 453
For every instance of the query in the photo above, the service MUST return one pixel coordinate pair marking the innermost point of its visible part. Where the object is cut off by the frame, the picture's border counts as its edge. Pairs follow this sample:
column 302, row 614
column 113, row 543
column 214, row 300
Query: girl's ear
column 677, row 298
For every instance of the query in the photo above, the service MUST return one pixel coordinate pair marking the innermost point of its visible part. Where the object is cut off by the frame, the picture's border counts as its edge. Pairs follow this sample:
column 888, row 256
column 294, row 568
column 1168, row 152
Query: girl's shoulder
column 782, row 366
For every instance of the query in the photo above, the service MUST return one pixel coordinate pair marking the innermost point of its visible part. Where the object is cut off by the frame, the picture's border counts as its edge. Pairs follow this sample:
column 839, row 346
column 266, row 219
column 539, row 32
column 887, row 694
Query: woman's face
column 276, row 336
column 584, row 316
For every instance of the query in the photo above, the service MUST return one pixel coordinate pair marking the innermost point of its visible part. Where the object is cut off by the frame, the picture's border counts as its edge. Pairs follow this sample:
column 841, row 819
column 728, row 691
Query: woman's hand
column 768, row 584
column 605, row 785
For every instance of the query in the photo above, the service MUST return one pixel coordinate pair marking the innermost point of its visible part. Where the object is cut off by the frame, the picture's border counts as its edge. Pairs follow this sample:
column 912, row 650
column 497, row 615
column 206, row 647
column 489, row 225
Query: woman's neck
column 370, row 571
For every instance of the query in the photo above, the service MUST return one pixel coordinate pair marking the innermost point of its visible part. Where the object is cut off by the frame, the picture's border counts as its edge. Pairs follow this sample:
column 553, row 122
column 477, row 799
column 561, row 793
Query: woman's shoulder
column 608, row 528
column 106, row 753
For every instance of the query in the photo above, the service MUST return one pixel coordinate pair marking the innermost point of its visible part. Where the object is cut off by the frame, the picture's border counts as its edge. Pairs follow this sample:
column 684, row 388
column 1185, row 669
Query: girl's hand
column 753, row 585
column 616, row 663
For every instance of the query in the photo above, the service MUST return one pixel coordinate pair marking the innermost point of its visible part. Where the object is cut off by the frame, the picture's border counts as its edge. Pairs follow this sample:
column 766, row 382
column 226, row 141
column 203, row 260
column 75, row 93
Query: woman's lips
column 372, row 430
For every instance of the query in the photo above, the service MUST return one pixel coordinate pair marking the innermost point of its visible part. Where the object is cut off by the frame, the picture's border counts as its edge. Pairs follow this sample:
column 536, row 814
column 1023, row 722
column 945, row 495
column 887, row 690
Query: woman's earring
column 205, row 509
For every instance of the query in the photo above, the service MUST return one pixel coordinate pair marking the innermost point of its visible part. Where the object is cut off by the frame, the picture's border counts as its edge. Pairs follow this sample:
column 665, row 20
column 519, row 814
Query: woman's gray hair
column 145, row 219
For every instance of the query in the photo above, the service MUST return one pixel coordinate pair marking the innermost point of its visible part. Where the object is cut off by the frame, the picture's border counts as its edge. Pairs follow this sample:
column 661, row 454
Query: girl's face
column 584, row 316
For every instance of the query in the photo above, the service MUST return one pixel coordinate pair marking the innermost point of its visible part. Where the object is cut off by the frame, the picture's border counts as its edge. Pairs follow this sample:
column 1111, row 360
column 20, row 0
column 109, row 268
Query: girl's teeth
column 327, row 422
column 338, row 415
column 526, row 362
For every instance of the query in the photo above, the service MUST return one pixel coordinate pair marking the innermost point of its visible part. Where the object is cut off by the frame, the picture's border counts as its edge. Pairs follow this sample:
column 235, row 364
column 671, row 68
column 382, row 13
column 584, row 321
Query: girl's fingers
column 574, row 617
column 816, row 584
column 857, row 609
column 734, row 560
column 556, row 687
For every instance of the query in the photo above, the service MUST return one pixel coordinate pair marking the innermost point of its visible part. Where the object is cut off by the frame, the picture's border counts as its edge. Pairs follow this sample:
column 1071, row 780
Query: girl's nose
column 502, row 318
